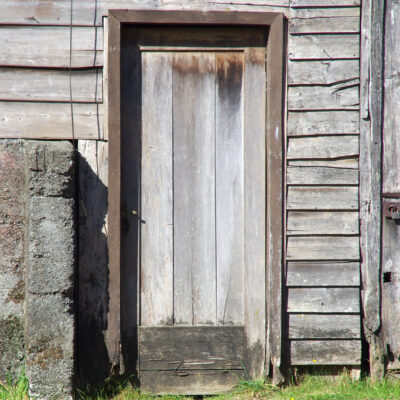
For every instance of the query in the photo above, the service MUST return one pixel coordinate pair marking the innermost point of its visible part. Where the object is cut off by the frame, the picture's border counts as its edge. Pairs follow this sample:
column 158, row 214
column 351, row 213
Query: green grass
column 308, row 387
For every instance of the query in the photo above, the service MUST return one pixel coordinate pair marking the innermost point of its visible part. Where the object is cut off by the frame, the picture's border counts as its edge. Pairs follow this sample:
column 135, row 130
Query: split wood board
column 324, row 3
column 321, row 175
column 342, row 163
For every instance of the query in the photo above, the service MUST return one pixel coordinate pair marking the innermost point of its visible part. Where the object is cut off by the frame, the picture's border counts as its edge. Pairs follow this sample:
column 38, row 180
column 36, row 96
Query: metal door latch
column 391, row 209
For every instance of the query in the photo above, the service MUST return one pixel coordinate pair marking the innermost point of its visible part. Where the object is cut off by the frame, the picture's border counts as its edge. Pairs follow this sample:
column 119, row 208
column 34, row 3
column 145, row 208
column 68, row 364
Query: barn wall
column 53, row 92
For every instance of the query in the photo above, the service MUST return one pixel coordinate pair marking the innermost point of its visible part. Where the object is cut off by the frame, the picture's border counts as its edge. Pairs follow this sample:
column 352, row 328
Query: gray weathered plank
column 320, row 326
column 322, row 198
column 31, row 120
column 194, row 188
column 229, row 187
column 156, row 298
column 308, row 273
column 345, row 163
column 324, row 3
column 325, row 352
column 20, row 46
column 191, row 348
column 324, row 300
column 21, row 84
column 338, row 96
column 323, row 122
column 322, row 223
column 325, row 20
column 325, row 72
column 326, row 47
column 254, row 209
column 330, row 175
column 323, row 248
column 322, row 147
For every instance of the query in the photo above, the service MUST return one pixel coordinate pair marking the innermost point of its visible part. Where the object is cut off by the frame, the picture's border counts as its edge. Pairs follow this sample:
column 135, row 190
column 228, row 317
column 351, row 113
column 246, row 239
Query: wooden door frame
column 274, row 158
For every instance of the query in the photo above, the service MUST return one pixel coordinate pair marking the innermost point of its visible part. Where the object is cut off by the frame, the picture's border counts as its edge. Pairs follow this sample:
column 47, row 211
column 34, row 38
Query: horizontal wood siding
column 322, row 220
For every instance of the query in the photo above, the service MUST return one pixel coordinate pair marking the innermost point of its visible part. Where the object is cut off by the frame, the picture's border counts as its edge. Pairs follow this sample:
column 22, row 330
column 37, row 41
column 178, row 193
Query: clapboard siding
column 44, row 46
column 324, row 3
column 324, row 72
column 326, row 175
column 322, row 223
column 325, row 20
column 22, row 84
column 345, row 163
column 311, row 273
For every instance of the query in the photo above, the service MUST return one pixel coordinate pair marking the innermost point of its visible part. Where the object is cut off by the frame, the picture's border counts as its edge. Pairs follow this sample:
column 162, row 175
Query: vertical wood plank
column 254, row 209
column 156, row 292
column 194, row 188
column 229, row 187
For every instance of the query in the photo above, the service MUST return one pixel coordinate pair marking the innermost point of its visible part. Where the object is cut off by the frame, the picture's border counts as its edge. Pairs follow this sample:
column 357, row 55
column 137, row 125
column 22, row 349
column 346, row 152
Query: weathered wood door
column 202, row 218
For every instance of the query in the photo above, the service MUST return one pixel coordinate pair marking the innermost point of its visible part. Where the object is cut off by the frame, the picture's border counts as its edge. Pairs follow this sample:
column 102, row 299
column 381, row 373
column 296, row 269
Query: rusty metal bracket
column 391, row 209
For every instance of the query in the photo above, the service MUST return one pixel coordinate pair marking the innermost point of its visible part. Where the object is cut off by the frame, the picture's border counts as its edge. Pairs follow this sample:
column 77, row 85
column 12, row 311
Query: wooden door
column 202, row 211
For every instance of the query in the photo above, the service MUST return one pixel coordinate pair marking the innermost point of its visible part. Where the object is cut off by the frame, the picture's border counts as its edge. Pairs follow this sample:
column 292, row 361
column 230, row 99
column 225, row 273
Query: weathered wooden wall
column 53, row 90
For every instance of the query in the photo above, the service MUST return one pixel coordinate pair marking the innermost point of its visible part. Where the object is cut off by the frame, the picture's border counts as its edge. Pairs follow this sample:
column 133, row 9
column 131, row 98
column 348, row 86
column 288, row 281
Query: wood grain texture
column 324, row 3
column 338, row 96
column 156, row 297
column 324, row 300
column 324, row 352
column 322, row 198
column 229, row 187
column 323, row 122
column 323, row 248
column 325, row 72
column 322, row 223
column 323, row 147
column 329, row 175
column 320, row 326
column 325, row 20
column 194, row 188
column 254, row 209
column 31, row 120
column 325, row 47
column 20, row 46
column 344, row 163
column 309, row 273
column 21, row 84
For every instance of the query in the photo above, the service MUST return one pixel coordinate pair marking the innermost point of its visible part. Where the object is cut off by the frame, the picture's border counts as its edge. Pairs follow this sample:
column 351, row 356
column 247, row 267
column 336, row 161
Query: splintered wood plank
column 46, row 85
column 345, row 163
column 326, row 47
column 339, row 96
column 322, row 223
column 324, row 3
column 323, row 248
column 324, row 352
column 308, row 273
column 31, row 120
column 229, row 187
column 254, row 209
column 320, row 326
column 323, row 147
column 194, row 188
column 156, row 191
column 323, row 122
column 324, row 300
column 20, row 47
column 325, row 20
column 191, row 348
column 322, row 198
column 325, row 72
column 329, row 175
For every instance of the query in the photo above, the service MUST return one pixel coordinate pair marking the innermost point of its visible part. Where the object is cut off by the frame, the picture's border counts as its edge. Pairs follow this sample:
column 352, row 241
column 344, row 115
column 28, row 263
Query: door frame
column 274, row 159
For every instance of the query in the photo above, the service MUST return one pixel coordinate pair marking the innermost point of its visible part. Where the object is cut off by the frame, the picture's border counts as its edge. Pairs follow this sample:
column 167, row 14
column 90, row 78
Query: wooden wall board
column 23, row 84
column 324, row 3
column 326, row 175
column 38, row 120
column 308, row 273
column 323, row 300
column 324, row 326
column 325, row 20
column 325, row 47
column 323, row 248
column 322, row 223
column 20, row 47
column 322, row 198
column 322, row 72
column 326, row 352
column 343, row 163
column 323, row 147
column 338, row 96
column 323, row 122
